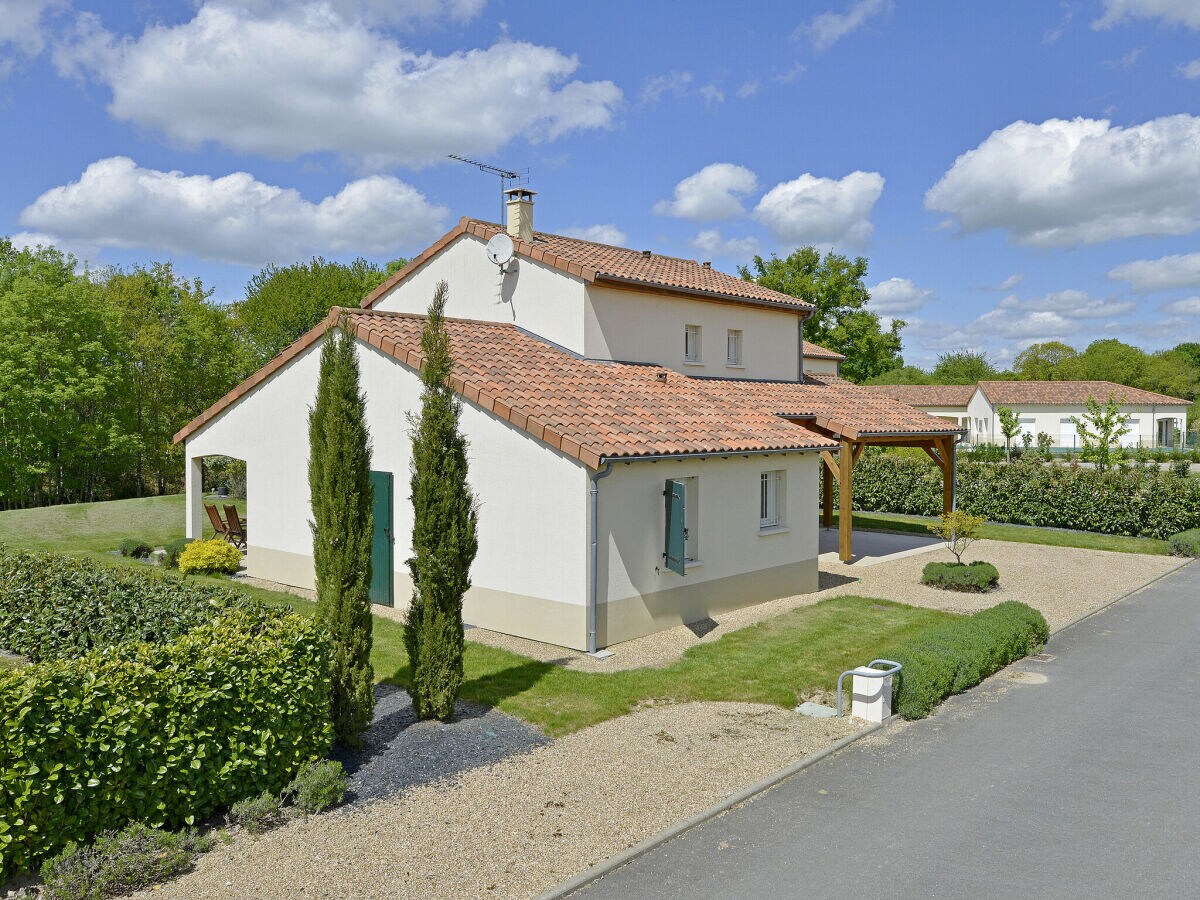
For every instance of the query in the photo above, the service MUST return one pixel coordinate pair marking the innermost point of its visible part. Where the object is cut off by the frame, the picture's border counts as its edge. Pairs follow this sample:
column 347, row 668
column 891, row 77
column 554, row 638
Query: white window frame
column 733, row 347
column 692, row 343
column 772, row 500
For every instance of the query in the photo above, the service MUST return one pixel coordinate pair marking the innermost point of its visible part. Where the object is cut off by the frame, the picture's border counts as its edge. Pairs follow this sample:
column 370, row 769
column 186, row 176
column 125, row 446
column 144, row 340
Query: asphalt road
column 1074, row 777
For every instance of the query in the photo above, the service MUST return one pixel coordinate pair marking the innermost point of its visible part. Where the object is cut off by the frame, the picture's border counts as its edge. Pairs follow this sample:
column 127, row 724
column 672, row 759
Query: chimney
column 519, row 201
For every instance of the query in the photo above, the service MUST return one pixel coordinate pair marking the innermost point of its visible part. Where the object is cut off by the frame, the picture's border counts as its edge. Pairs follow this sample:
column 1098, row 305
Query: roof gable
column 604, row 264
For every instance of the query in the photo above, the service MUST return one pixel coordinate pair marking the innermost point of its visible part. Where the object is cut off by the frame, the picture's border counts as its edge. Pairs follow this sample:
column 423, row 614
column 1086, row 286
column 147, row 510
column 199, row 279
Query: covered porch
column 838, row 468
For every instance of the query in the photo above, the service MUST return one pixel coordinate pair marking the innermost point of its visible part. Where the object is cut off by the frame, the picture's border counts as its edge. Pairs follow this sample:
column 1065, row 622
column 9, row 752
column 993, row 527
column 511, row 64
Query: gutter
column 594, row 552
column 609, row 460
column 799, row 306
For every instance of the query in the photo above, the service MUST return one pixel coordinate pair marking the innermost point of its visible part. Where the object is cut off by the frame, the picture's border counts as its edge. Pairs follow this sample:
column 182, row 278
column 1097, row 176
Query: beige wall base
column 634, row 617
column 565, row 624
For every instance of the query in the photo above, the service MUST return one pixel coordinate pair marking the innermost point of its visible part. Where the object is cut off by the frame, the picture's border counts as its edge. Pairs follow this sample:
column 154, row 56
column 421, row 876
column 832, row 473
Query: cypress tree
column 339, row 479
column 444, row 520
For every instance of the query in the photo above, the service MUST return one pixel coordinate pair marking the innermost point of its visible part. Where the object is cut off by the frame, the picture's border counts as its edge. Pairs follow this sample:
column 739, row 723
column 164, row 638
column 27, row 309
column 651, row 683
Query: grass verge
column 993, row 531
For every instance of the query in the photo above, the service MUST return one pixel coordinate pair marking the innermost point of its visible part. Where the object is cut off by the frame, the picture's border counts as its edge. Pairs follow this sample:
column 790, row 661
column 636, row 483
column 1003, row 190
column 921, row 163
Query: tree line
column 100, row 367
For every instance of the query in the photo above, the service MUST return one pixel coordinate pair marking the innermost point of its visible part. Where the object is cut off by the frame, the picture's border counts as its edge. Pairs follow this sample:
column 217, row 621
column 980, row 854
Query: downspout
column 954, row 476
column 594, row 553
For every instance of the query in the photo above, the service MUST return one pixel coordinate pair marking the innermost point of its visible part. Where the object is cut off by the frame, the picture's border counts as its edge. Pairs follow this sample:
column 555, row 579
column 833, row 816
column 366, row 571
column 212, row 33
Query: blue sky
column 1014, row 171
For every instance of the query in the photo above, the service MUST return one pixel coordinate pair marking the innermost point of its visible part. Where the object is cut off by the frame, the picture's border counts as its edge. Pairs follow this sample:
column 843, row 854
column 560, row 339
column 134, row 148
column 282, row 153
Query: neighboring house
column 1156, row 420
column 819, row 361
column 643, row 439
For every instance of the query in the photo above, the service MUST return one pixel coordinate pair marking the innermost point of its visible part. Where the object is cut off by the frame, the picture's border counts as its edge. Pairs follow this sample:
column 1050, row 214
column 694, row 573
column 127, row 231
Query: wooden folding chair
column 236, row 533
column 221, row 529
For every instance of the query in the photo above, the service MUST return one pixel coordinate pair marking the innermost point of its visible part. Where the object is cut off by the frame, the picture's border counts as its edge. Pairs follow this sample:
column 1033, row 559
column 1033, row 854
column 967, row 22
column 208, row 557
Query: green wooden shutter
column 676, row 496
column 381, row 541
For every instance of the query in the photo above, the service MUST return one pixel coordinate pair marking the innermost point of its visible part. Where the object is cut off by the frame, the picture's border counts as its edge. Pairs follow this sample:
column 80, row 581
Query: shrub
column 54, row 606
column 1181, row 468
column 136, row 548
column 162, row 734
column 958, row 530
column 120, row 862
column 259, row 814
column 1148, row 503
column 976, row 577
column 985, row 453
column 212, row 557
column 1186, row 543
column 173, row 549
column 318, row 786
column 951, row 658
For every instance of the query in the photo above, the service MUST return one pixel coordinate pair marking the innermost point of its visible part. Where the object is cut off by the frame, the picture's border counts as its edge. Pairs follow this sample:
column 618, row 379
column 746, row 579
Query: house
column 644, row 438
column 1049, row 407
column 819, row 361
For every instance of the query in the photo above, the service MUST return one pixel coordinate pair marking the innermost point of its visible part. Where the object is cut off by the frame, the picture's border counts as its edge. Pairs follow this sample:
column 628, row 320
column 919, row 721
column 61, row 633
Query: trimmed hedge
column 212, row 557
column 1186, row 543
column 163, row 734
column 975, row 578
column 54, row 606
column 1136, row 501
column 951, row 658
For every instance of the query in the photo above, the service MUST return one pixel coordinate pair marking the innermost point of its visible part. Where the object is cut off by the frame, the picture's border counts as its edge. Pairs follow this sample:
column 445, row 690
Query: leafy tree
column 283, row 303
column 835, row 286
column 902, row 375
column 1010, row 427
column 444, row 522
column 1190, row 350
column 1044, row 361
column 1100, row 429
column 963, row 367
column 1110, row 360
column 339, row 478
column 1170, row 372
column 958, row 530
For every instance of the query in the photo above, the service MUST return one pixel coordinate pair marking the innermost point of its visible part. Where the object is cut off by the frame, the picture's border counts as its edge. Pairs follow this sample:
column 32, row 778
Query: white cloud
column 1189, row 70
column 821, row 210
column 712, row 94
column 1064, row 183
column 381, row 12
column 235, row 218
column 1145, row 275
column 830, row 27
column 303, row 79
column 1070, row 304
column 748, row 89
column 713, row 246
column 673, row 82
column 897, row 295
column 1168, row 12
column 1189, row 306
column 710, row 194
column 22, row 30
column 601, row 234
column 1010, row 282
column 1128, row 61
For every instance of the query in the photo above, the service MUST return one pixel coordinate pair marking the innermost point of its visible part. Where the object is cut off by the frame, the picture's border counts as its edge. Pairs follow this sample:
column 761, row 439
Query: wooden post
column 845, row 501
column 826, row 495
column 946, row 448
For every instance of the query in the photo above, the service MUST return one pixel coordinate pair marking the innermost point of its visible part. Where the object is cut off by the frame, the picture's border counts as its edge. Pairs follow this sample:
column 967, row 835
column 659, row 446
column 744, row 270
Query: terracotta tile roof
column 926, row 394
column 1070, row 392
column 838, row 406
column 815, row 351
column 603, row 263
column 589, row 410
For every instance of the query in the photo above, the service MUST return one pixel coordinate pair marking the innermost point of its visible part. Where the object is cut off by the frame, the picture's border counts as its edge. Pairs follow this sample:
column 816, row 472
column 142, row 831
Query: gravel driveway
column 526, row 823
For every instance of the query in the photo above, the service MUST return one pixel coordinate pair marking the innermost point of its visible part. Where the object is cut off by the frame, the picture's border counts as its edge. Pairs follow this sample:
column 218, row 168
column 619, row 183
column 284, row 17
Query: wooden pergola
column 840, row 468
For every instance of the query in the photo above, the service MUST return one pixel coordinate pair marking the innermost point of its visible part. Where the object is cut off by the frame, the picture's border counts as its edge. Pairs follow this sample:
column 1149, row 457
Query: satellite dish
column 500, row 249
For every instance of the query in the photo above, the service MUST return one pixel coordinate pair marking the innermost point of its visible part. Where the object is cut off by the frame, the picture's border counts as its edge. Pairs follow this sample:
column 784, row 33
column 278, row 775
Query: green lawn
column 992, row 531
column 98, row 527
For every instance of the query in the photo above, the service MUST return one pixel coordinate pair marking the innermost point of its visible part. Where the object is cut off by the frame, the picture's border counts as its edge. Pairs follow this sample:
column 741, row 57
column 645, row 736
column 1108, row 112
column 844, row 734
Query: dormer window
column 733, row 347
column 691, row 343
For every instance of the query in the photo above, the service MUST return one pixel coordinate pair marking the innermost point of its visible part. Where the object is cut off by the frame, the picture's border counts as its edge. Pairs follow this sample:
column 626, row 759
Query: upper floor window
column 691, row 343
column 733, row 347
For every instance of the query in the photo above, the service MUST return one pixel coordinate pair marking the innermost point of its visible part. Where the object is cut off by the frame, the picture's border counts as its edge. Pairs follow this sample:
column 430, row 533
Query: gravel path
column 1062, row 582
column 520, row 826
column 399, row 752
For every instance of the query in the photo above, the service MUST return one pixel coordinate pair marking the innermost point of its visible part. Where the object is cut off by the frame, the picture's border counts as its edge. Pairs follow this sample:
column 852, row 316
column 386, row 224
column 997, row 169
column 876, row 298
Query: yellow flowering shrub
column 209, row 557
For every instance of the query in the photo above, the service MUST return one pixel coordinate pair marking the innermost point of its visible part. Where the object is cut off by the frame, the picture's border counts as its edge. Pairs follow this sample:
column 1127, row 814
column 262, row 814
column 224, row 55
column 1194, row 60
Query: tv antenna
column 508, row 178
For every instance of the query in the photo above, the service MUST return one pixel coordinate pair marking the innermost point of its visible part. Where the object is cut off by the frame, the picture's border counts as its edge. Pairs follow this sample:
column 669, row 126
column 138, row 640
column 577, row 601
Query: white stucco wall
column 816, row 366
column 535, row 296
column 532, row 500
column 647, row 327
column 739, row 563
